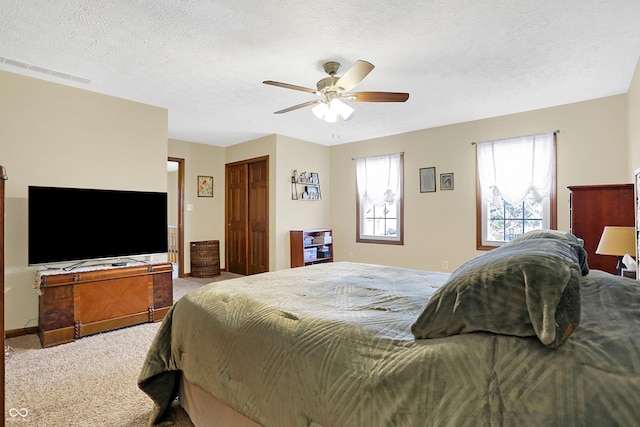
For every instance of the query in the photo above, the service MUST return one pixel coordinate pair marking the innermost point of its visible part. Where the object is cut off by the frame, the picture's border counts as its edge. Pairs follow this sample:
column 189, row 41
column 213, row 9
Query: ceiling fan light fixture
column 320, row 110
column 341, row 108
column 330, row 111
column 330, row 117
column 334, row 90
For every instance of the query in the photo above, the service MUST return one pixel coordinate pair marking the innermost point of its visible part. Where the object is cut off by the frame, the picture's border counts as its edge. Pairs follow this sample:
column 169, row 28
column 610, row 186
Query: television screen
column 77, row 224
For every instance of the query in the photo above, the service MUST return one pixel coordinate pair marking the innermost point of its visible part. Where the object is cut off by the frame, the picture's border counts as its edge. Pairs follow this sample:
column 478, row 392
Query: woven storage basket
column 205, row 258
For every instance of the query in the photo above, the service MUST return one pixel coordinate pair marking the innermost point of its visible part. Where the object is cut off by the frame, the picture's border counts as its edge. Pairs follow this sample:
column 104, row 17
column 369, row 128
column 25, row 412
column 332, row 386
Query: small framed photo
column 446, row 181
column 314, row 178
column 205, row 186
column 311, row 192
column 428, row 180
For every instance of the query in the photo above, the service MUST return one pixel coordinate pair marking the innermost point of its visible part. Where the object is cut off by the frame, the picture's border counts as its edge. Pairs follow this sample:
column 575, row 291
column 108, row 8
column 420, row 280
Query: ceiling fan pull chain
column 336, row 128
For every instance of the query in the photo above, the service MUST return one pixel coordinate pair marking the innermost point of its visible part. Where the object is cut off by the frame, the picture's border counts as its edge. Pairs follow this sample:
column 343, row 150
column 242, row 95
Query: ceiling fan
column 333, row 91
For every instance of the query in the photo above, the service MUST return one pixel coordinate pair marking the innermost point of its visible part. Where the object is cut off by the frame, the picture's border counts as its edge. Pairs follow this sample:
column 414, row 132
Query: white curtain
column 379, row 178
column 514, row 167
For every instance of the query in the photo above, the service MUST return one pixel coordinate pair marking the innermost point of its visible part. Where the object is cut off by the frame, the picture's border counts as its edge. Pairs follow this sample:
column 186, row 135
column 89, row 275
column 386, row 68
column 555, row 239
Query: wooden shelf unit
column 298, row 246
column 305, row 187
column 76, row 304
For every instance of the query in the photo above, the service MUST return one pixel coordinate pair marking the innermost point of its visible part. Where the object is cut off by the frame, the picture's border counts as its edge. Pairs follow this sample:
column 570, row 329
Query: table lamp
column 617, row 241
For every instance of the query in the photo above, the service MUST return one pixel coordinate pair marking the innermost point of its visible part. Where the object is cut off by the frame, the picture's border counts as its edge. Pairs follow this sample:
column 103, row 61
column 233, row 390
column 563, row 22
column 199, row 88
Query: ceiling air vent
column 42, row 70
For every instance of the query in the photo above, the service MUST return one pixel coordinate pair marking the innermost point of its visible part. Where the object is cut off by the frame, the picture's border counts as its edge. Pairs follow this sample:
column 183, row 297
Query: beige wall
column 61, row 136
column 260, row 147
column 634, row 121
column 299, row 214
column 285, row 154
column 57, row 135
column 172, row 197
column 203, row 216
column 440, row 226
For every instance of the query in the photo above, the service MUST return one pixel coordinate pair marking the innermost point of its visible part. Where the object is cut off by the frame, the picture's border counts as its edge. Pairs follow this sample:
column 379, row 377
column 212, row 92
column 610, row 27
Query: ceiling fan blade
column 295, row 107
column 354, row 75
column 378, row 96
column 289, row 86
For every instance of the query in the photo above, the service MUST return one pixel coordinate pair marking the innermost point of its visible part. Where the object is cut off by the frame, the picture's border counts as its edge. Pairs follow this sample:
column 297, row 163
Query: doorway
column 247, row 215
column 175, row 213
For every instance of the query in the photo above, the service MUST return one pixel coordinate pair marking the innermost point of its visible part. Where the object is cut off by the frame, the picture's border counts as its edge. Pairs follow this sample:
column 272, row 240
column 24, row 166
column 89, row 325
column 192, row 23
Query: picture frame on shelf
column 428, row 180
column 294, row 187
column 205, row 186
column 446, row 181
column 311, row 192
column 314, row 179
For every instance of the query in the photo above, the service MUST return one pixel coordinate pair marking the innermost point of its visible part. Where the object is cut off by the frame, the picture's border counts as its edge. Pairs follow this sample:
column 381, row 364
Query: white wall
column 56, row 135
column 441, row 226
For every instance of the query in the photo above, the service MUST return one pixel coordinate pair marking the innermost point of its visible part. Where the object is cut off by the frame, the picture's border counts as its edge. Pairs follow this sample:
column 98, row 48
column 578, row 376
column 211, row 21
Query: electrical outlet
column 445, row 265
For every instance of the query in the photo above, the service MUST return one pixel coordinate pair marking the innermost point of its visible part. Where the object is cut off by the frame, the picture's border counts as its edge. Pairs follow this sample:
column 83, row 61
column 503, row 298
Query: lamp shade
column 341, row 108
column 320, row 110
column 617, row 241
column 330, row 111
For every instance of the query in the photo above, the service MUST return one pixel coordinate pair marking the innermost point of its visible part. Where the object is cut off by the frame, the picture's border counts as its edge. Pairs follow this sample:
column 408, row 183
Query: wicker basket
column 205, row 258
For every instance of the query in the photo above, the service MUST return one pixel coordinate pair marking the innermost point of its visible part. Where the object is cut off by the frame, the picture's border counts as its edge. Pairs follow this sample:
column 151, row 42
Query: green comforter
column 331, row 345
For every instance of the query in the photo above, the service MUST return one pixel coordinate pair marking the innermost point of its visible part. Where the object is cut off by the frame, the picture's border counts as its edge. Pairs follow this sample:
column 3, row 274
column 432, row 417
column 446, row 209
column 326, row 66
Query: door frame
column 226, row 208
column 180, row 162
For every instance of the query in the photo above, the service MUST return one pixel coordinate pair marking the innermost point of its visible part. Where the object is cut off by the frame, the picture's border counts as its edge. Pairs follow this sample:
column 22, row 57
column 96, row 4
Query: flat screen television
column 79, row 224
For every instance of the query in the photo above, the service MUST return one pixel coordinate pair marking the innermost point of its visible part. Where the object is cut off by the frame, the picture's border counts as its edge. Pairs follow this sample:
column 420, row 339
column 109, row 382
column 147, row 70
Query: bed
column 350, row 344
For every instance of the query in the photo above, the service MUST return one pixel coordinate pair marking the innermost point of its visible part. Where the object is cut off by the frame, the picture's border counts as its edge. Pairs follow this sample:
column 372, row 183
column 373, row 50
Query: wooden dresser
column 592, row 207
column 80, row 303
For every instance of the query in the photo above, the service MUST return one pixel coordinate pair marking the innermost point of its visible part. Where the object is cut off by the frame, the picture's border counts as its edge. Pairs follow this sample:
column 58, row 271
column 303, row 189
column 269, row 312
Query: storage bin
column 310, row 254
column 321, row 240
column 205, row 258
column 324, row 253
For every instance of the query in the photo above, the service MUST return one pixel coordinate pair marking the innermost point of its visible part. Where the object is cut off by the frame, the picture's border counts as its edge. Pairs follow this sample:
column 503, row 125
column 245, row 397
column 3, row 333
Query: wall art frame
column 428, row 180
column 446, row 181
column 205, row 186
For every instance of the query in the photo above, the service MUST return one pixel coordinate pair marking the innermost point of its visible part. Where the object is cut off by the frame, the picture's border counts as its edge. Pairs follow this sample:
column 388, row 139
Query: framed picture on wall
column 428, row 180
column 205, row 186
column 446, row 181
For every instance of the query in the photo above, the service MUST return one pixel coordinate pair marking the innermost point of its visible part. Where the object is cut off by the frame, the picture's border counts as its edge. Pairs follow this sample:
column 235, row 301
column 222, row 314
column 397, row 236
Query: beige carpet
column 90, row 382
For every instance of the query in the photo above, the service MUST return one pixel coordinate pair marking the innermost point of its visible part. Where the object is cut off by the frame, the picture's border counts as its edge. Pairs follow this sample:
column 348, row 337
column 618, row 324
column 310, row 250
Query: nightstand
column 628, row 273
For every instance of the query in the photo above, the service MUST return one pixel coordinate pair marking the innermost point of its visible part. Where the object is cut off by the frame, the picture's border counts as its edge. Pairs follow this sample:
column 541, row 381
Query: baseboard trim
column 189, row 274
column 13, row 333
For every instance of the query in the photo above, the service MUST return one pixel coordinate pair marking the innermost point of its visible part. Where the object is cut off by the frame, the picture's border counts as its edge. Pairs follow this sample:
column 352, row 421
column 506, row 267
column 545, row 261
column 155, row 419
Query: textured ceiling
column 205, row 60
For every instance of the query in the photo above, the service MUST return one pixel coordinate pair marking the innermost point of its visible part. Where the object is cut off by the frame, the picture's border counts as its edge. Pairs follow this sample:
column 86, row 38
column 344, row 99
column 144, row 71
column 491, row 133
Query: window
column 379, row 201
column 516, row 187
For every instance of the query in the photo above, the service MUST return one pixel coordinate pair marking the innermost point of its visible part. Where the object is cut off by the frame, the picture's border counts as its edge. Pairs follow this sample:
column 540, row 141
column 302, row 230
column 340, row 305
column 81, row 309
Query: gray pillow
column 576, row 243
column 525, row 288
